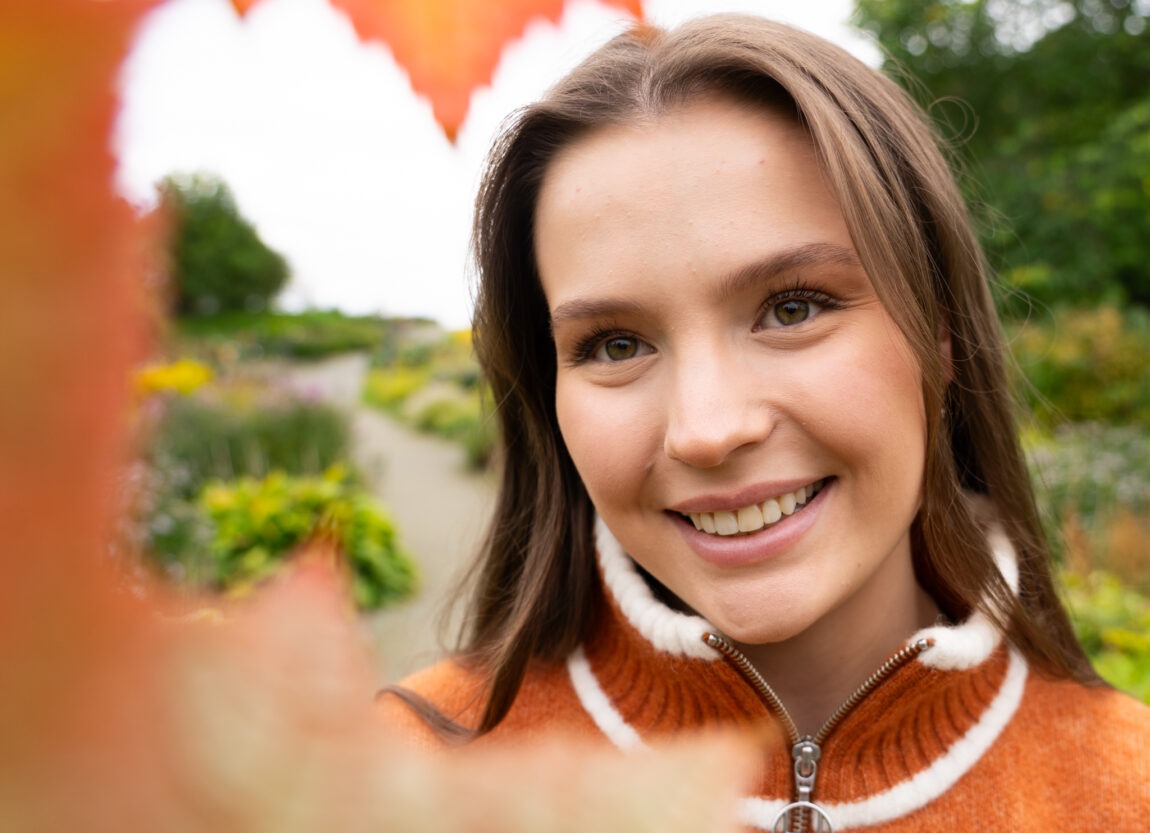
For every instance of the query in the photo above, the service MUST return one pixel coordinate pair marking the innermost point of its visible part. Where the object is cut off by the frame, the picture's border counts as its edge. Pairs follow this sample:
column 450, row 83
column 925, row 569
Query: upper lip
column 734, row 500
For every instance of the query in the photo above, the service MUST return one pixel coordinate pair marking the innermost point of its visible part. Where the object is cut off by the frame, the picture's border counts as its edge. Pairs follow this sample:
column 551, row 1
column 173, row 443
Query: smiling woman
column 760, row 469
column 729, row 353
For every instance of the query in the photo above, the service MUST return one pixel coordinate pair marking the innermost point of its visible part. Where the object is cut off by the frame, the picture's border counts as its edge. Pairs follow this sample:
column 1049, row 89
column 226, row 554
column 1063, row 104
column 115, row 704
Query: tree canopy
column 1047, row 104
column 218, row 261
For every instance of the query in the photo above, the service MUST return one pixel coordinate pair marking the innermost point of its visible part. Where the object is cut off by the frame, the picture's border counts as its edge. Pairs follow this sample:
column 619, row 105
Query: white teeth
column 750, row 519
column 754, row 518
column 726, row 523
column 771, row 511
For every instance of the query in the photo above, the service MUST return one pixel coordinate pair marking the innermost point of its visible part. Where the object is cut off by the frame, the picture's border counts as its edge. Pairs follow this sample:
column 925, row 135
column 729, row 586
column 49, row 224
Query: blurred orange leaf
column 121, row 707
column 449, row 47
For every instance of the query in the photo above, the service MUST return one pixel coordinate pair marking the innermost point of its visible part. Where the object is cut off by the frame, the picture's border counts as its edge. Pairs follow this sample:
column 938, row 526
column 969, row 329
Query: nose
column 713, row 411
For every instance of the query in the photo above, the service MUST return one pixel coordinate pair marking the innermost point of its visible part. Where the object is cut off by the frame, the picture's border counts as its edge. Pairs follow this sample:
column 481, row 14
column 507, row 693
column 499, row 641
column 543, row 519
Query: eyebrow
column 743, row 278
column 788, row 260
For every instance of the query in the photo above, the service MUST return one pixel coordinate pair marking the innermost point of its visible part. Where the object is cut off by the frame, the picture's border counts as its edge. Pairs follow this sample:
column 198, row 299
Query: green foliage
column 218, row 439
column 1113, row 624
column 479, row 438
column 306, row 335
column 220, row 434
column 1092, row 470
column 447, row 417
column 436, row 387
column 1092, row 483
column 389, row 388
column 218, row 261
column 1047, row 100
column 257, row 523
column 1085, row 365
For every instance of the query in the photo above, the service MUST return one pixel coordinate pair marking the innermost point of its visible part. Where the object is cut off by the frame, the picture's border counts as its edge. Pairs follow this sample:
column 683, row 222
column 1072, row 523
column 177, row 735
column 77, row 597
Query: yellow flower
column 182, row 376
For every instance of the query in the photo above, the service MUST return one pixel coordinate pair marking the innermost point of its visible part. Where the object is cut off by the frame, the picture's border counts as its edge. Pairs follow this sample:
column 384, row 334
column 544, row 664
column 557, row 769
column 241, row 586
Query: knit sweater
column 958, row 735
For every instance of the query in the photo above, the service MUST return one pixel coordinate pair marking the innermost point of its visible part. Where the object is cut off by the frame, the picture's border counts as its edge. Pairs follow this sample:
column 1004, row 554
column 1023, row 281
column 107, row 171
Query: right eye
column 617, row 349
column 609, row 347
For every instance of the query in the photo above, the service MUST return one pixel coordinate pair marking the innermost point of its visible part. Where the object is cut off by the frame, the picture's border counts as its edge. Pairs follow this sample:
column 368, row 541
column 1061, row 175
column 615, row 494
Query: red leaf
column 117, row 714
column 449, row 47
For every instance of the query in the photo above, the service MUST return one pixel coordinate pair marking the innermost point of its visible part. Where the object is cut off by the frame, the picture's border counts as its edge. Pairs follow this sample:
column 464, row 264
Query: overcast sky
column 339, row 165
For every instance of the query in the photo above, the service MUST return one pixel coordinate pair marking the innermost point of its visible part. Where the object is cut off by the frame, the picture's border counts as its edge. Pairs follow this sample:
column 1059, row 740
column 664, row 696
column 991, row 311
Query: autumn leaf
column 124, row 707
column 70, row 262
column 449, row 47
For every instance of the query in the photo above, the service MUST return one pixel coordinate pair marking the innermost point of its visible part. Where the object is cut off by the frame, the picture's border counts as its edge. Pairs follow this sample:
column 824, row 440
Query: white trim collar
column 956, row 647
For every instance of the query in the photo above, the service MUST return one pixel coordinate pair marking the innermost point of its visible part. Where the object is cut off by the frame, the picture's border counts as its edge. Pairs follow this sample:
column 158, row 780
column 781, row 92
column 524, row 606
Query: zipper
column 803, row 814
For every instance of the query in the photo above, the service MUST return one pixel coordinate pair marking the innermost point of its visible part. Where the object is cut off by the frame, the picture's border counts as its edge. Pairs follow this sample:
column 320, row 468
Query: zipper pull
column 806, row 755
column 802, row 815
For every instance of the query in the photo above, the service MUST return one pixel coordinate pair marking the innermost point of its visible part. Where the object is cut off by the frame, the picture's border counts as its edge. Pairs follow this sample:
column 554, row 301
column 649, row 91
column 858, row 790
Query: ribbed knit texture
column 973, row 744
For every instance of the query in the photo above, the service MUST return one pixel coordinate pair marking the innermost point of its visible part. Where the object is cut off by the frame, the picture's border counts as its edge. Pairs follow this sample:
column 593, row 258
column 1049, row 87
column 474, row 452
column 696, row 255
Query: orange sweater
column 959, row 736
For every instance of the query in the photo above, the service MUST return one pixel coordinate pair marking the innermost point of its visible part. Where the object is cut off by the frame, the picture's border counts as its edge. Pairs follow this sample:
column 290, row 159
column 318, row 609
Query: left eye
column 792, row 310
column 618, row 348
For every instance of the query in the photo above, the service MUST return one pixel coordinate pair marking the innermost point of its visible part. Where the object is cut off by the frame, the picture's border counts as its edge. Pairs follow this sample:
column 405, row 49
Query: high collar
column 648, row 673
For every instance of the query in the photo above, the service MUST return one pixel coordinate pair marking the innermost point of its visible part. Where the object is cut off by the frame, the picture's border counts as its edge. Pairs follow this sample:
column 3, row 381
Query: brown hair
column 534, row 587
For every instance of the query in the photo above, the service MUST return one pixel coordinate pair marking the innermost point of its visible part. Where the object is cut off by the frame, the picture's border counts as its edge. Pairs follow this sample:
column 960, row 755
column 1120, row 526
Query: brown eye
column 794, row 311
column 793, row 308
column 619, row 348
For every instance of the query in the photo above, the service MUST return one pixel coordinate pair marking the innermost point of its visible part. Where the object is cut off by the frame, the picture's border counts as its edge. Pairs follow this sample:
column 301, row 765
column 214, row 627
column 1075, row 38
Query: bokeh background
column 233, row 348
column 1043, row 106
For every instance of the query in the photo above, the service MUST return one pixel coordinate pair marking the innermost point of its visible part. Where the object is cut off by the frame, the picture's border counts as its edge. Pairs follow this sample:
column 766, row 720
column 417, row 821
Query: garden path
column 440, row 509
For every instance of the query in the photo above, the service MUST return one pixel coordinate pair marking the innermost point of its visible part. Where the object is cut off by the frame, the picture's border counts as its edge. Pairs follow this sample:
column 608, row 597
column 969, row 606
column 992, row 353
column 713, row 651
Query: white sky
column 329, row 152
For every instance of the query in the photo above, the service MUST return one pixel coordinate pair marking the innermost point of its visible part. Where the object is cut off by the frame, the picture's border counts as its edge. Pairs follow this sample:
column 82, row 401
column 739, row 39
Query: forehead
column 707, row 188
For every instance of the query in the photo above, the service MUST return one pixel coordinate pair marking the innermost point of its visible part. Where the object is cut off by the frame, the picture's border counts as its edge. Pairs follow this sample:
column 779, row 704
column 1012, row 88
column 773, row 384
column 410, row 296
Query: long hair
column 534, row 590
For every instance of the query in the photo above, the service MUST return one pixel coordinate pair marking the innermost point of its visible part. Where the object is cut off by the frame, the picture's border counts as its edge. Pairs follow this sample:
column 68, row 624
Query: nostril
column 711, row 444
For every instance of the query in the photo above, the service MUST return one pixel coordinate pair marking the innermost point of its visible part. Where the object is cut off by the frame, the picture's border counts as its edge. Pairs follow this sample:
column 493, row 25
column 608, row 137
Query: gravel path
column 441, row 511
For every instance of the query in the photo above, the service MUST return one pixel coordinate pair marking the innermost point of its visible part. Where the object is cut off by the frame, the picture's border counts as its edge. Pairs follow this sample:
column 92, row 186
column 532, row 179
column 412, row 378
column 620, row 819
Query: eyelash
column 800, row 291
column 586, row 347
column 583, row 351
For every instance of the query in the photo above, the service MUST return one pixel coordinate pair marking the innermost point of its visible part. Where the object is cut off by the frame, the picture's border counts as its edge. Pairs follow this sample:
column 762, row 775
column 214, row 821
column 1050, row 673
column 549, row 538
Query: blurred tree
column 218, row 261
column 1048, row 104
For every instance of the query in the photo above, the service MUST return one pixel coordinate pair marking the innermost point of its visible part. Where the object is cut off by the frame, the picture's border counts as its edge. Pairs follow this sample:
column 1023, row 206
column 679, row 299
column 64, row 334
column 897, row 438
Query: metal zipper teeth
column 892, row 664
column 897, row 660
column 752, row 675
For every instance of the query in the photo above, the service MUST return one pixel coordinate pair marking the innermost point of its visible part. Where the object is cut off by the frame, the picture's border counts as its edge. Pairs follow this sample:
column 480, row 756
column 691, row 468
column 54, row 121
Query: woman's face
column 745, row 414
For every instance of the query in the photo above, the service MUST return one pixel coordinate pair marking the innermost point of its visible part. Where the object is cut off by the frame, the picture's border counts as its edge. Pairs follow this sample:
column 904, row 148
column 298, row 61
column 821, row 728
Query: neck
column 814, row 672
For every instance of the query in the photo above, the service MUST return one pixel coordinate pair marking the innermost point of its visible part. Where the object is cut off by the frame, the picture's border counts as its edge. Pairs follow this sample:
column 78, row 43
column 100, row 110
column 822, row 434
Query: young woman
column 759, row 462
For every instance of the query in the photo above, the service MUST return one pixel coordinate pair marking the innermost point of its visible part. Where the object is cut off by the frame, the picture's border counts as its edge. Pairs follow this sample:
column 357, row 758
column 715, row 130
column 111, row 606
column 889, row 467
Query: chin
column 756, row 631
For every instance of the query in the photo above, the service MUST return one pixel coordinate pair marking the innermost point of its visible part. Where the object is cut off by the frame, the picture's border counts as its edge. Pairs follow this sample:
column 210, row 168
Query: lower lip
column 769, row 542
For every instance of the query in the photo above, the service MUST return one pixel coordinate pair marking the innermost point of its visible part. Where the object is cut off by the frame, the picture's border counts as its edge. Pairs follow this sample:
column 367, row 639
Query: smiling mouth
column 757, row 516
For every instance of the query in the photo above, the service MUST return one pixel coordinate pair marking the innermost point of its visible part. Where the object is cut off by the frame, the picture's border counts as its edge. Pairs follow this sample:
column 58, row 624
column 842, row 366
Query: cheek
column 885, row 392
column 608, row 436
column 863, row 399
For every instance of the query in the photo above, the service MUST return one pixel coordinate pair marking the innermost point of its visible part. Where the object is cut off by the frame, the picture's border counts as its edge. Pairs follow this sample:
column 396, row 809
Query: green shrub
column 218, row 261
column 1083, row 365
column 1092, row 469
column 220, row 434
column 166, row 525
column 257, row 523
column 389, row 388
column 1092, row 483
column 1113, row 623
column 437, row 388
column 479, row 439
column 213, row 438
column 306, row 335
column 449, row 417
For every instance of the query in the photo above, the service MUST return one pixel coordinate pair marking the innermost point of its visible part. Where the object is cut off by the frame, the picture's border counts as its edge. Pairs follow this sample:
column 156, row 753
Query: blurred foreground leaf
column 122, row 709
column 449, row 48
